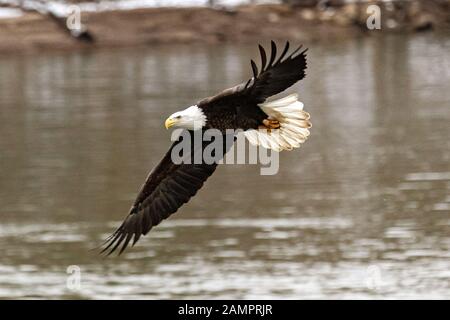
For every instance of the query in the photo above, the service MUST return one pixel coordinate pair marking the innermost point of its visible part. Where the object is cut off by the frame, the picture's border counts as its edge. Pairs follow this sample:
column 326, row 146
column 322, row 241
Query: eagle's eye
column 178, row 117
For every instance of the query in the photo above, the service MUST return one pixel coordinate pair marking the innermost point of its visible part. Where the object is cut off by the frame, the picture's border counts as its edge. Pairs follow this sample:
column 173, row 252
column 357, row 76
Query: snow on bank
column 61, row 8
column 8, row 13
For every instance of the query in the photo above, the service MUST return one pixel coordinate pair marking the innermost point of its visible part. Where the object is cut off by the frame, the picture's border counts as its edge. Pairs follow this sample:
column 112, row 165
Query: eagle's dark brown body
column 233, row 113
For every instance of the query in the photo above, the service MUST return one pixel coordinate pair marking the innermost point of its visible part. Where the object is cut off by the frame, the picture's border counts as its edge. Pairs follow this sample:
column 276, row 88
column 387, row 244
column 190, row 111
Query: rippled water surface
column 361, row 211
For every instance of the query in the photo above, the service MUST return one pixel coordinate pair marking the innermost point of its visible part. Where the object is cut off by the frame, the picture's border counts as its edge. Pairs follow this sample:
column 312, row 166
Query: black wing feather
column 254, row 69
column 166, row 189
column 263, row 57
column 285, row 50
column 279, row 76
column 273, row 52
column 274, row 77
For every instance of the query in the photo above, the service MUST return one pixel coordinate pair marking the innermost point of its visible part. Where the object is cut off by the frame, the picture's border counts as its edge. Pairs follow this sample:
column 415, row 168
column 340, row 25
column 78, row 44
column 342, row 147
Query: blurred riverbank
column 29, row 31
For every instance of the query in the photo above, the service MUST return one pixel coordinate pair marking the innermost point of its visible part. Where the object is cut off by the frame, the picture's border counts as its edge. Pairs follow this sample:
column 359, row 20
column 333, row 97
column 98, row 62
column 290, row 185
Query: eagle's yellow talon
column 271, row 124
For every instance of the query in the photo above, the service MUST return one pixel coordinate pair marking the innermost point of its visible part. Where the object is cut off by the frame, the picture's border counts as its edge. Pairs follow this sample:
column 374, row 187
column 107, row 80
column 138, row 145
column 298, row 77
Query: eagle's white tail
column 294, row 125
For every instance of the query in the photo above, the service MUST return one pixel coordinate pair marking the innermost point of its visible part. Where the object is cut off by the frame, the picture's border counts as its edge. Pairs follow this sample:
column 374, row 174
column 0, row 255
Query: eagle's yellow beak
column 169, row 122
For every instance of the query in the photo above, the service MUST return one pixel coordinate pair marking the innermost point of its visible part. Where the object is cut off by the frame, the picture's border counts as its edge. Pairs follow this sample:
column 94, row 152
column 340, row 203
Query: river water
column 360, row 211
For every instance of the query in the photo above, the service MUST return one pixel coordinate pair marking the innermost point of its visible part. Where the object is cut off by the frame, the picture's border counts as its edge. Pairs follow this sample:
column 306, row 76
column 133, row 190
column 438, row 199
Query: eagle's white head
column 191, row 118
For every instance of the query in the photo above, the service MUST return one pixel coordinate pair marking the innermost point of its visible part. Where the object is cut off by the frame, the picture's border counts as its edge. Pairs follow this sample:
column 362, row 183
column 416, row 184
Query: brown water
column 361, row 211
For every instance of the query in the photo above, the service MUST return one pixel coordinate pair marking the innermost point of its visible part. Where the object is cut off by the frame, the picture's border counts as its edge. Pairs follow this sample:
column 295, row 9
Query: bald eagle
column 278, row 125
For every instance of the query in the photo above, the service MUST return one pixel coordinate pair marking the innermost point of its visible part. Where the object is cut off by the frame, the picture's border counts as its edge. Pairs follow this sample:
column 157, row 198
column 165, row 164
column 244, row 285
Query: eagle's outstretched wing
column 276, row 75
column 168, row 187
